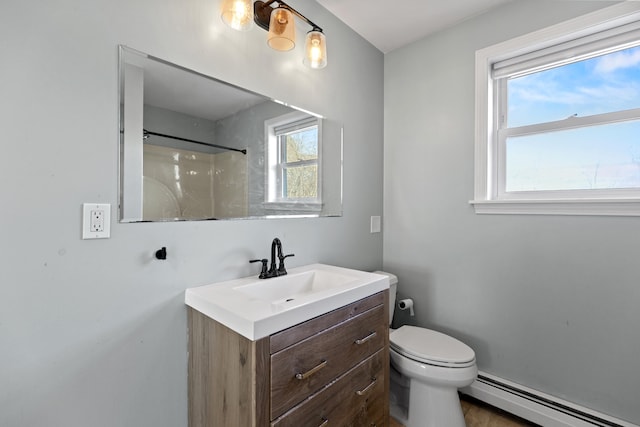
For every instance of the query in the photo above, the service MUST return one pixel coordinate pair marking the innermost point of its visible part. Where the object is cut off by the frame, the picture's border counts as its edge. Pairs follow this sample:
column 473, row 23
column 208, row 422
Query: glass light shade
column 315, row 52
column 238, row 14
column 282, row 30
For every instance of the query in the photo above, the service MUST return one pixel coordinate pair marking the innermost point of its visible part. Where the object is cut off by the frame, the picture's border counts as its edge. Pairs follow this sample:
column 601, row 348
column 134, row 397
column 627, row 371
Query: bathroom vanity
column 331, row 369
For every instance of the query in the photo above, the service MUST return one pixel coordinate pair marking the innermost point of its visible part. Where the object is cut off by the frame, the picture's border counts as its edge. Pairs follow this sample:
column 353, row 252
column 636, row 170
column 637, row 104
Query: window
column 293, row 152
column 558, row 119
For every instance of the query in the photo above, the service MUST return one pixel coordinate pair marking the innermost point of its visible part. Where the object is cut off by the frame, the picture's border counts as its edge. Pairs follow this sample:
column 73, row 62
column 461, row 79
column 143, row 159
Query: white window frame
column 489, row 198
column 273, row 199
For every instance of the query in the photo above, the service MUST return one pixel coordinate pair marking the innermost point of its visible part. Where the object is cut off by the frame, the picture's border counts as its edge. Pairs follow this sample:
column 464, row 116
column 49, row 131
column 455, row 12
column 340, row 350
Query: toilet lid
column 431, row 347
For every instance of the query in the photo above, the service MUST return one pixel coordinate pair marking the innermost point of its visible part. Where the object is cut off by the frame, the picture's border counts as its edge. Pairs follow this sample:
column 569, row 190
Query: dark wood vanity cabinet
column 332, row 370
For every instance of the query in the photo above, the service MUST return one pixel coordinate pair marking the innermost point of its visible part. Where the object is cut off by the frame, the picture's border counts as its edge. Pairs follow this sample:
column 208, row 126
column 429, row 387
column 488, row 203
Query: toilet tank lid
column 393, row 279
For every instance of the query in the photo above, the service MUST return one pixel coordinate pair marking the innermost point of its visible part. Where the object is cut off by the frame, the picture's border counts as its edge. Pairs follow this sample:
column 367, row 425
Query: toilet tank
column 393, row 287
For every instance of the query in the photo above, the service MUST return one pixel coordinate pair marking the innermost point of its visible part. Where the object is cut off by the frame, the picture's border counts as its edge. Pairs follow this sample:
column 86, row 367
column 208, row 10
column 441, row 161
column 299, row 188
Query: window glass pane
column 596, row 157
column 601, row 84
column 301, row 145
column 301, row 182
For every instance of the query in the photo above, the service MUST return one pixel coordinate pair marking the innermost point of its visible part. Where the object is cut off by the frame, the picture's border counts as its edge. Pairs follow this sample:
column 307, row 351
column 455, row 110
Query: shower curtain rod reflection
column 147, row 133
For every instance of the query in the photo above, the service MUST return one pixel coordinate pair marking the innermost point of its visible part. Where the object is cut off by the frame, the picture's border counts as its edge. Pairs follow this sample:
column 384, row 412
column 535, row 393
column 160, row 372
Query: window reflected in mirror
column 294, row 162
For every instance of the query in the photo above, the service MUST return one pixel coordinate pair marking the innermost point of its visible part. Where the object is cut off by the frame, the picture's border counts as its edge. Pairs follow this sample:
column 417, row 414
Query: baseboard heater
column 535, row 406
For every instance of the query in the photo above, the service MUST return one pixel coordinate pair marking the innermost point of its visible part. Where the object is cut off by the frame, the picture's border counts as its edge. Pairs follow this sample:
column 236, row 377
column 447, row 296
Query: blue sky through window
column 605, row 156
column 597, row 85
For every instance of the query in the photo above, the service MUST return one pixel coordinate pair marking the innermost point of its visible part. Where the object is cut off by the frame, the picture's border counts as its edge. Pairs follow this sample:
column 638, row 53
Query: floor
column 479, row 414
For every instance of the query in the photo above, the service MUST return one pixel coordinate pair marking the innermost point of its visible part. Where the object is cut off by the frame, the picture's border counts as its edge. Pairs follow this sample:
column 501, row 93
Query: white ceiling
column 194, row 94
column 390, row 24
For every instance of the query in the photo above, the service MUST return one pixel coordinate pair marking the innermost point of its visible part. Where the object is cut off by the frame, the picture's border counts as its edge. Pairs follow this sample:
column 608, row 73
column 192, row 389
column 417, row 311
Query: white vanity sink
column 256, row 308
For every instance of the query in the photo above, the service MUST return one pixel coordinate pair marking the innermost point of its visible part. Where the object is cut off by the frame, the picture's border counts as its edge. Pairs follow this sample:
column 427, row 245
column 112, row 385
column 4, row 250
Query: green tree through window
column 300, row 163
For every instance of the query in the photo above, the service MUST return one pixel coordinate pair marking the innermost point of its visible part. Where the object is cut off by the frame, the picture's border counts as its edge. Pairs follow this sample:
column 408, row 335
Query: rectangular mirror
column 193, row 147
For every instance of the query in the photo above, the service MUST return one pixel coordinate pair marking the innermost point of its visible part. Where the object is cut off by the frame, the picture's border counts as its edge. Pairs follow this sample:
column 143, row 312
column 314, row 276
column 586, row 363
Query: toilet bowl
column 428, row 368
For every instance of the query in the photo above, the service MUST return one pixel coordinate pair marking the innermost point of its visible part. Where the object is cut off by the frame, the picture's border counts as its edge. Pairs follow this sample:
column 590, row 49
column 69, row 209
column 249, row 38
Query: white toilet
column 427, row 368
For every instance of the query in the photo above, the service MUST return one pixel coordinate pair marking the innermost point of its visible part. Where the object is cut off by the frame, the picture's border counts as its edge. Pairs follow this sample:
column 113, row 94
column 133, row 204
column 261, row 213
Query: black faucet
column 280, row 270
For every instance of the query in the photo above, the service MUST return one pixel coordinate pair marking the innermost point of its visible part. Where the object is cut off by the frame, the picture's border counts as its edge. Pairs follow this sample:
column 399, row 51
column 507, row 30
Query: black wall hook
column 161, row 253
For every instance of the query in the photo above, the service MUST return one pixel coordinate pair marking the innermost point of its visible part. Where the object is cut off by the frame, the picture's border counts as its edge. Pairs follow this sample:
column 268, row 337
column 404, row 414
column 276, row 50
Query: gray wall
column 550, row 302
column 93, row 333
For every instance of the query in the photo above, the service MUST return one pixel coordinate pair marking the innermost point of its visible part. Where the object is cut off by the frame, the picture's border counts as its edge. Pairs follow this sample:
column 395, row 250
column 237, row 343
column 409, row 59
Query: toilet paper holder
column 406, row 304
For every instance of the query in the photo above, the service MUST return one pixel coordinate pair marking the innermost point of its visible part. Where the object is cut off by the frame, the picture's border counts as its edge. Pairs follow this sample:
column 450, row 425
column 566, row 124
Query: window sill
column 596, row 207
column 293, row 206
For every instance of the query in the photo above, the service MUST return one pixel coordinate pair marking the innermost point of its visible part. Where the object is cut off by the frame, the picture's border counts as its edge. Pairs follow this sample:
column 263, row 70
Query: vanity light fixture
column 238, row 14
column 279, row 22
column 282, row 29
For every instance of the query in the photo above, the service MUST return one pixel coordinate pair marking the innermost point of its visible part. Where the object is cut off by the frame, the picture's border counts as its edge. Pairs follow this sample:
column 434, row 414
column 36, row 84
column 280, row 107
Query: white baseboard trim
column 535, row 406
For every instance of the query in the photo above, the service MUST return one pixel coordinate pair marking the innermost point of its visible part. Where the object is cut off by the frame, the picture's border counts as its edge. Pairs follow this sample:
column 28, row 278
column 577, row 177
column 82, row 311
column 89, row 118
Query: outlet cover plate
column 376, row 225
column 96, row 220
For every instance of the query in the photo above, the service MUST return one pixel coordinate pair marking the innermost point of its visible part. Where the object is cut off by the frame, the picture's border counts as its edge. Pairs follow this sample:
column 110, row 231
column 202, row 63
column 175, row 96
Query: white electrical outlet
column 96, row 221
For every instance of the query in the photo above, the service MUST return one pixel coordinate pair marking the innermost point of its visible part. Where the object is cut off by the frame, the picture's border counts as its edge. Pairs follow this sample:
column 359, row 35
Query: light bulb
column 315, row 50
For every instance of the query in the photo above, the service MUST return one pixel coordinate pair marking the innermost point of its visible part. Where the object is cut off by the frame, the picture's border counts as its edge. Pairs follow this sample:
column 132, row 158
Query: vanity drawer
column 283, row 339
column 302, row 369
column 355, row 399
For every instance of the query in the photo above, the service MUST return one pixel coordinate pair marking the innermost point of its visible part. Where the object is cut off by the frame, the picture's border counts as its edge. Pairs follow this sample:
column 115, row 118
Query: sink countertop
column 256, row 318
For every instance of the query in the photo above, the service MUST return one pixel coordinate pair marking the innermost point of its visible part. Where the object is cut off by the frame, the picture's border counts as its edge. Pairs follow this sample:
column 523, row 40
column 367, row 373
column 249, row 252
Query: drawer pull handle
column 367, row 338
column 304, row 376
column 325, row 421
column 366, row 389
